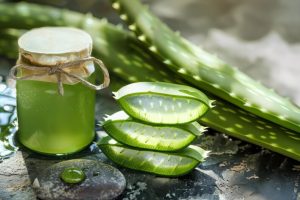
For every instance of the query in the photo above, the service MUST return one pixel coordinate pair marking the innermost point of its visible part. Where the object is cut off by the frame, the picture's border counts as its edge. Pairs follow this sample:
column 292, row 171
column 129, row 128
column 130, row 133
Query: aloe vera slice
column 131, row 132
column 162, row 103
column 162, row 163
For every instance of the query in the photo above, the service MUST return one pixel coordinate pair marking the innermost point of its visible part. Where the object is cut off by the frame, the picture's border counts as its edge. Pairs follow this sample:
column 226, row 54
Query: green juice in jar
column 54, row 124
column 55, row 90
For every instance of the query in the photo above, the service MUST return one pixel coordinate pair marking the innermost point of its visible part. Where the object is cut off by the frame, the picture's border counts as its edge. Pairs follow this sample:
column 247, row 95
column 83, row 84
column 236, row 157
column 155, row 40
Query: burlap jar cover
column 57, row 54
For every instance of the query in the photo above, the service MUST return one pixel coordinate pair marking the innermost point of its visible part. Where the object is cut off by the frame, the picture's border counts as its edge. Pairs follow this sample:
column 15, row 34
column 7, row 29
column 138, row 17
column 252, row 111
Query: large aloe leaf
column 163, row 103
column 134, row 133
column 162, row 163
column 109, row 40
column 205, row 70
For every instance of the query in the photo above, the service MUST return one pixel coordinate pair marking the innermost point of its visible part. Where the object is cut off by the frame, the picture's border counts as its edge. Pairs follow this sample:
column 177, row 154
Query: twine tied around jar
column 58, row 70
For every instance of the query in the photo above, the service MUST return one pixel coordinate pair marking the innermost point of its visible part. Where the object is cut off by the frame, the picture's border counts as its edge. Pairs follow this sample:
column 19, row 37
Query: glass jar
column 55, row 110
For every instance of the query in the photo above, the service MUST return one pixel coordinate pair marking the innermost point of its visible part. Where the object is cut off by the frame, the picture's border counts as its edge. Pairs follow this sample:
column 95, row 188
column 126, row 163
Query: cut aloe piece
column 162, row 103
column 131, row 132
column 162, row 163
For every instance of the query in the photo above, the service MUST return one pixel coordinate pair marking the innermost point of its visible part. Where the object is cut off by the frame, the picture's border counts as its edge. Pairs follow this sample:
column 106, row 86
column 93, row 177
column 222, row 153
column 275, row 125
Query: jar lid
column 52, row 45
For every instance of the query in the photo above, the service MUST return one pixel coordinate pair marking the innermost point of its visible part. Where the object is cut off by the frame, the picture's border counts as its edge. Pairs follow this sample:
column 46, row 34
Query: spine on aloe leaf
column 128, row 58
column 205, row 70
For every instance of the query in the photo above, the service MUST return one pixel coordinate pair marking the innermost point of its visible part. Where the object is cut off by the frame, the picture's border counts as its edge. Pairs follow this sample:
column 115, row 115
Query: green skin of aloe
column 54, row 124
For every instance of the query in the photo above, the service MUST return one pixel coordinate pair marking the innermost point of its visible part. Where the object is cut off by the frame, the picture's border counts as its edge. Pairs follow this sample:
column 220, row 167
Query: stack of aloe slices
column 155, row 131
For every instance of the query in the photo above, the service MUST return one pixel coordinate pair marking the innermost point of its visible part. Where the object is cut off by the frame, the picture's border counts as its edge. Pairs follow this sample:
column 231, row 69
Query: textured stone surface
column 102, row 181
column 15, row 182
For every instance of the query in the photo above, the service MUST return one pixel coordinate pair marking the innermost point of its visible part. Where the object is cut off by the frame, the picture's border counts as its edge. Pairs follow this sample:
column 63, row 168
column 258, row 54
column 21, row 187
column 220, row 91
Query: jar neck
column 52, row 59
column 83, row 70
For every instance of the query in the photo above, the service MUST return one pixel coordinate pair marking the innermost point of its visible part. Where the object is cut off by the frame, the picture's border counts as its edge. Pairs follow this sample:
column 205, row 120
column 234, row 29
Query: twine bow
column 58, row 70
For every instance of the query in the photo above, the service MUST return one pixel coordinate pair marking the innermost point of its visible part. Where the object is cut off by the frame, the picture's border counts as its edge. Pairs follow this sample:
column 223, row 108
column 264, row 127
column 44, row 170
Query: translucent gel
column 54, row 124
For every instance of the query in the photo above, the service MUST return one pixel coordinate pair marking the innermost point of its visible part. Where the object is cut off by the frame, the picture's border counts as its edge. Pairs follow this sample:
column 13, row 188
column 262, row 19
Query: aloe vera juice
column 53, row 124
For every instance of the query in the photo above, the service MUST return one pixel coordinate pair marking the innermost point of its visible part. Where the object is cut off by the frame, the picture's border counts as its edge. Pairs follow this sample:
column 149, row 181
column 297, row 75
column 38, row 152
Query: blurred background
column 261, row 37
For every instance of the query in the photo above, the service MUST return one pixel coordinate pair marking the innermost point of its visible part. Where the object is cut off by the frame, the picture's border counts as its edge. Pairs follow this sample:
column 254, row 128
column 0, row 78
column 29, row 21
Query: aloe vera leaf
column 8, row 42
column 162, row 163
column 24, row 16
column 133, row 133
column 253, row 129
column 205, row 70
column 6, row 49
column 287, row 142
column 162, row 103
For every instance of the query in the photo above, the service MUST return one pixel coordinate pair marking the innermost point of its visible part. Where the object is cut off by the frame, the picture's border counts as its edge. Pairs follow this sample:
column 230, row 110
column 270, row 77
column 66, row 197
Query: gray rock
column 15, row 182
column 102, row 181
